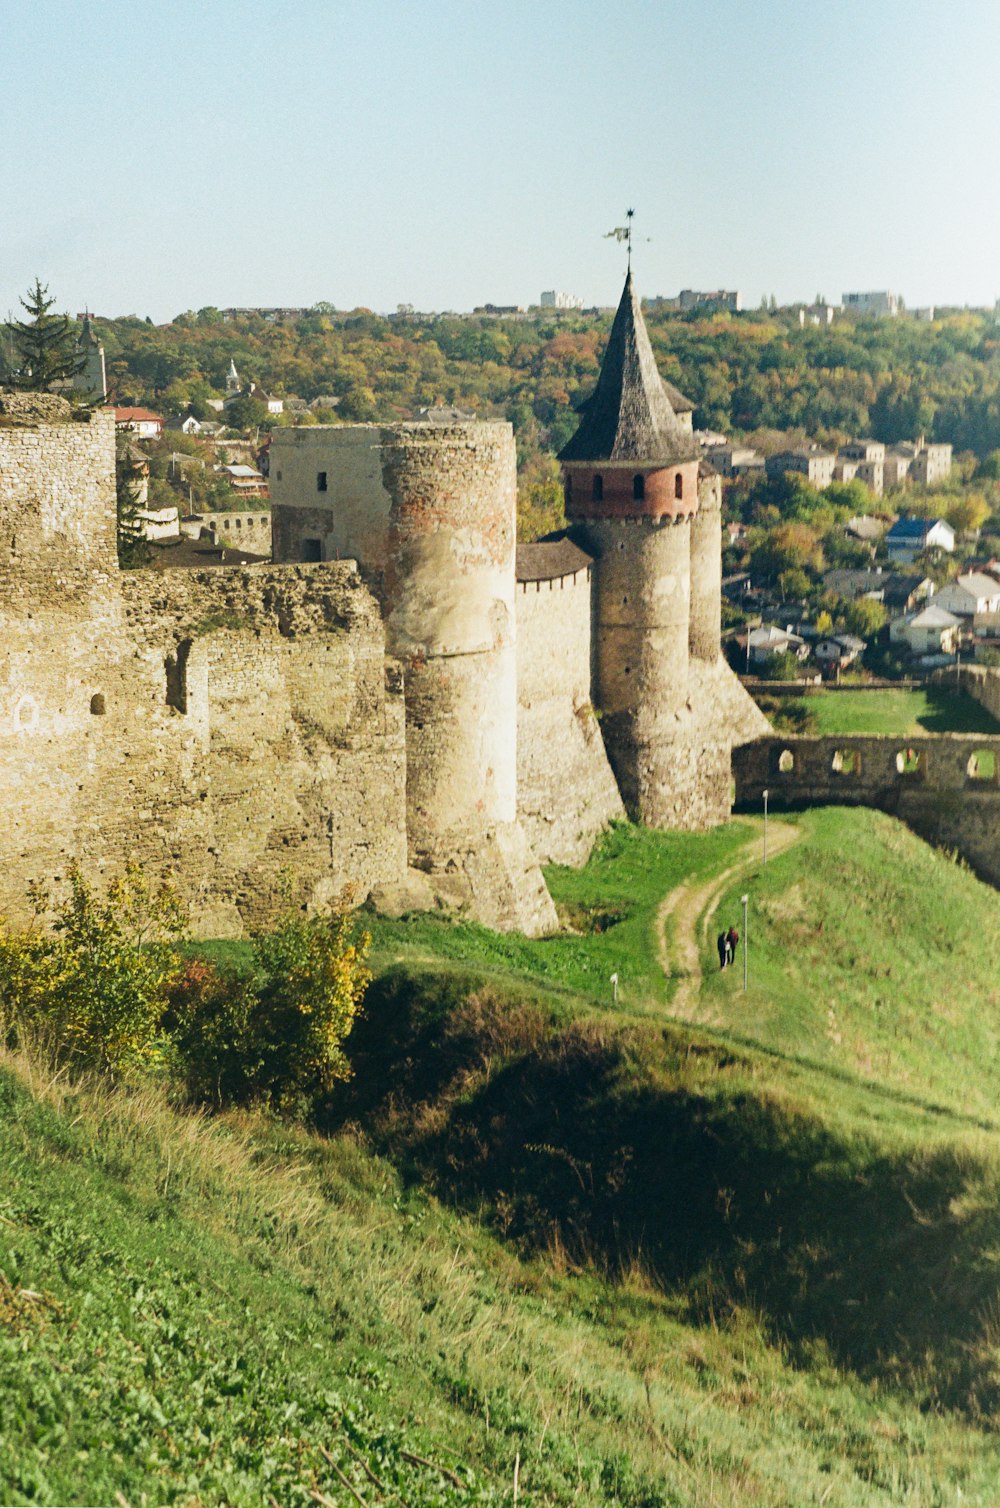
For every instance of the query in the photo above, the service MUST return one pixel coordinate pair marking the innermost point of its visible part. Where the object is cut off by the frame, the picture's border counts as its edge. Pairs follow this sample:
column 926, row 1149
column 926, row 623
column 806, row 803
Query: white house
column 909, row 537
column 933, row 630
column 140, row 422
column 771, row 640
column 970, row 595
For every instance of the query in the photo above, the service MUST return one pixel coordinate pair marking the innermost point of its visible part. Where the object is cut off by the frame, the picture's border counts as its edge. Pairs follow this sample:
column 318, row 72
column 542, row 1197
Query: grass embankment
column 898, row 714
column 673, row 1264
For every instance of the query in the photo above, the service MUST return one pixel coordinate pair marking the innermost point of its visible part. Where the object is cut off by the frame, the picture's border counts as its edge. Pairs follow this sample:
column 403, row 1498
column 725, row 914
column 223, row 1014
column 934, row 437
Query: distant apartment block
column 817, row 314
column 731, row 460
column 814, row 464
column 554, row 300
column 719, row 298
column 876, row 305
column 917, row 462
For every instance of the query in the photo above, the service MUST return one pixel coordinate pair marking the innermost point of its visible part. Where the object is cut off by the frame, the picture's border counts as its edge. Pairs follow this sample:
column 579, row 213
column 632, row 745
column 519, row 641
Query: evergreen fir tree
column 133, row 549
column 46, row 344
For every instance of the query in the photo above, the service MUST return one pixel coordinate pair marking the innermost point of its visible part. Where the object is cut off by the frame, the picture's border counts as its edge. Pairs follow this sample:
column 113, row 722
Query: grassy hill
column 619, row 1257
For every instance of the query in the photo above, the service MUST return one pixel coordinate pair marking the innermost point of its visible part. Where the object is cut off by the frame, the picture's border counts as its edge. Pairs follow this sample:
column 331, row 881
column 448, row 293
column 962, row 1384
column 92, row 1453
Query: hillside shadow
column 951, row 711
column 646, row 1145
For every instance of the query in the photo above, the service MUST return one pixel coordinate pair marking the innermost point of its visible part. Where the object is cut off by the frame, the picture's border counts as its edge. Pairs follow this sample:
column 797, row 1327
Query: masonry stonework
column 394, row 706
column 566, row 791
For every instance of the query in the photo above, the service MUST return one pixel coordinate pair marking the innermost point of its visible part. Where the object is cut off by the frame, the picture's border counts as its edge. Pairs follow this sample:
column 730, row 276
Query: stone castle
column 404, row 704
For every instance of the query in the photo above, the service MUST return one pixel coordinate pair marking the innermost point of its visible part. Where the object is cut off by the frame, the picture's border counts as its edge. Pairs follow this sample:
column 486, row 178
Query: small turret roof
column 629, row 416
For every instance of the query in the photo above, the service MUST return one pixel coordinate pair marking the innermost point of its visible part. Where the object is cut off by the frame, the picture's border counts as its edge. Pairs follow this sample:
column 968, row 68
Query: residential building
column 245, row 480
column 552, row 299
column 141, row 422
column 903, row 594
column 770, row 640
column 185, row 424
column 732, row 460
column 931, row 631
column 969, row 595
column 909, row 537
column 718, row 298
column 837, row 651
column 872, row 305
column 815, row 464
column 817, row 314
column 931, row 464
column 851, row 584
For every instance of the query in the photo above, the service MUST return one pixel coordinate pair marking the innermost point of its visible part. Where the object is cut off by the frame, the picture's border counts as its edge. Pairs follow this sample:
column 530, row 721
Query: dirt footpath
column 693, row 909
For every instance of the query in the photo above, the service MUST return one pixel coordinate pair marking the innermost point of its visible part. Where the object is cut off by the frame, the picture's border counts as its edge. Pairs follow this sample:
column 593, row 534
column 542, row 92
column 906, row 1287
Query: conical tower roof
column 629, row 417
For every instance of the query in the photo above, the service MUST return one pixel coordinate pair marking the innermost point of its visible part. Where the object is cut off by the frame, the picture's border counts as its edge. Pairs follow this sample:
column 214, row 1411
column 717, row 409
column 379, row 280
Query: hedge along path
column 693, row 909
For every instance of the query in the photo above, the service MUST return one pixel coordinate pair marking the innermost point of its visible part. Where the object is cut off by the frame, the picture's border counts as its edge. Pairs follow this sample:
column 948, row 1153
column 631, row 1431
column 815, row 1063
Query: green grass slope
column 634, row 1261
column 899, row 713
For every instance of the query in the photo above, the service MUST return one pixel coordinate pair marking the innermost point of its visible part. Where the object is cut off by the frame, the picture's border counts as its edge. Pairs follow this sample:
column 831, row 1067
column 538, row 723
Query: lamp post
column 765, row 827
column 746, row 901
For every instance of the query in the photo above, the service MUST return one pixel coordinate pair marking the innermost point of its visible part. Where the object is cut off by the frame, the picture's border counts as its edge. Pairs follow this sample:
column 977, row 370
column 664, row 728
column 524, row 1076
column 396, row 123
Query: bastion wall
column 238, row 730
column 566, row 790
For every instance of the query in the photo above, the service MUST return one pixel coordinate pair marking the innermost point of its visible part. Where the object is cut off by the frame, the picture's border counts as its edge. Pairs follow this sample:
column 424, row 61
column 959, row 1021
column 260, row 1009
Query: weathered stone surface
column 236, row 730
column 941, row 785
column 395, row 898
column 566, row 792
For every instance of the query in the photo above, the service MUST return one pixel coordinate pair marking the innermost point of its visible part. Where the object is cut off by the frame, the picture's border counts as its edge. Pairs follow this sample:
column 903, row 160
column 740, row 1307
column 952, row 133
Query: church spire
column 629, row 417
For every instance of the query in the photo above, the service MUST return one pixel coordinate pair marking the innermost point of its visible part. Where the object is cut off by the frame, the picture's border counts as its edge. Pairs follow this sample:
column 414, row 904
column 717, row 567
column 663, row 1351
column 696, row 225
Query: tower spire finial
column 624, row 233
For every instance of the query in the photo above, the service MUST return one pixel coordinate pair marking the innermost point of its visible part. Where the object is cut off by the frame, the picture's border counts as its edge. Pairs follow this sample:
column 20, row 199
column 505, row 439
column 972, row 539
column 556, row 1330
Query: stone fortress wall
column 228, row 727
column 360, row 713
column 566, row 792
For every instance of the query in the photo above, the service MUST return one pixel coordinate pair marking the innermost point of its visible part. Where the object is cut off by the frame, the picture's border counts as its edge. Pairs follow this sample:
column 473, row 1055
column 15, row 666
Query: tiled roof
column 547, row 559
column 628, row 417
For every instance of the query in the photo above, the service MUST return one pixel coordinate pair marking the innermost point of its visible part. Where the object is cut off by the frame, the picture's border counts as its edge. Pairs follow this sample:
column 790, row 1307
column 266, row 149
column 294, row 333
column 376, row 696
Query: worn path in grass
column 692, row 907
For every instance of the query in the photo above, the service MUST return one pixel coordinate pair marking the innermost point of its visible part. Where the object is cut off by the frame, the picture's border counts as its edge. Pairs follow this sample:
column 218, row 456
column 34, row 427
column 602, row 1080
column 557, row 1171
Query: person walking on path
column 732, row 943
column 722, row 943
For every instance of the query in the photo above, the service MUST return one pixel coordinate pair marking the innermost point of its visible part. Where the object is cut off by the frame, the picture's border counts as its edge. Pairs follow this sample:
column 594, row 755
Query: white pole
column 746, row 901
column 765, row 827
column 614, row 989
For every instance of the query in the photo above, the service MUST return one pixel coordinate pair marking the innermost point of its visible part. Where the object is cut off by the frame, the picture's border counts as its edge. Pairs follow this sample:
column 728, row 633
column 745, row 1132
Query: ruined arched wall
column 566, row 790
column 936, row 793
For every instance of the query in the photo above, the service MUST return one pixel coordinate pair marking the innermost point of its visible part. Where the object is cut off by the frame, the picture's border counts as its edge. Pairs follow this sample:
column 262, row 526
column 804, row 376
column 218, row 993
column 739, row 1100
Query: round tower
column 631, row 483
column 706, row 568
column 449, row 599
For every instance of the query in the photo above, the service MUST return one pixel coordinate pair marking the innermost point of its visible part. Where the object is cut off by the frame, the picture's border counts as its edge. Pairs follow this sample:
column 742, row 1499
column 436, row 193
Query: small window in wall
column 321, row 481
column 312, row 549
column 598, row 489
column 982, row 765
column 846, row 762
column 638, row 488
column 678, row 485
column 97, row 706
column 239, row 523
column 912, row 763
column 786, row 762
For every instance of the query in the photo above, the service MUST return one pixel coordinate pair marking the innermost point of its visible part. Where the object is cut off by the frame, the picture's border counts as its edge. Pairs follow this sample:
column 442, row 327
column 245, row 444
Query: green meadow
column 699, row 1246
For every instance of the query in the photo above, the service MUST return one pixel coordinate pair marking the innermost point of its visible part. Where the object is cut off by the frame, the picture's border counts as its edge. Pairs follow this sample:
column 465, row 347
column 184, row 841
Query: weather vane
column 624, row 233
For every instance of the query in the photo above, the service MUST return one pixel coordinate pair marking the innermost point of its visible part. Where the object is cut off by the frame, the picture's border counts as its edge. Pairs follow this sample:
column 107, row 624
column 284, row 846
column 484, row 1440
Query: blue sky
column 165, row 157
